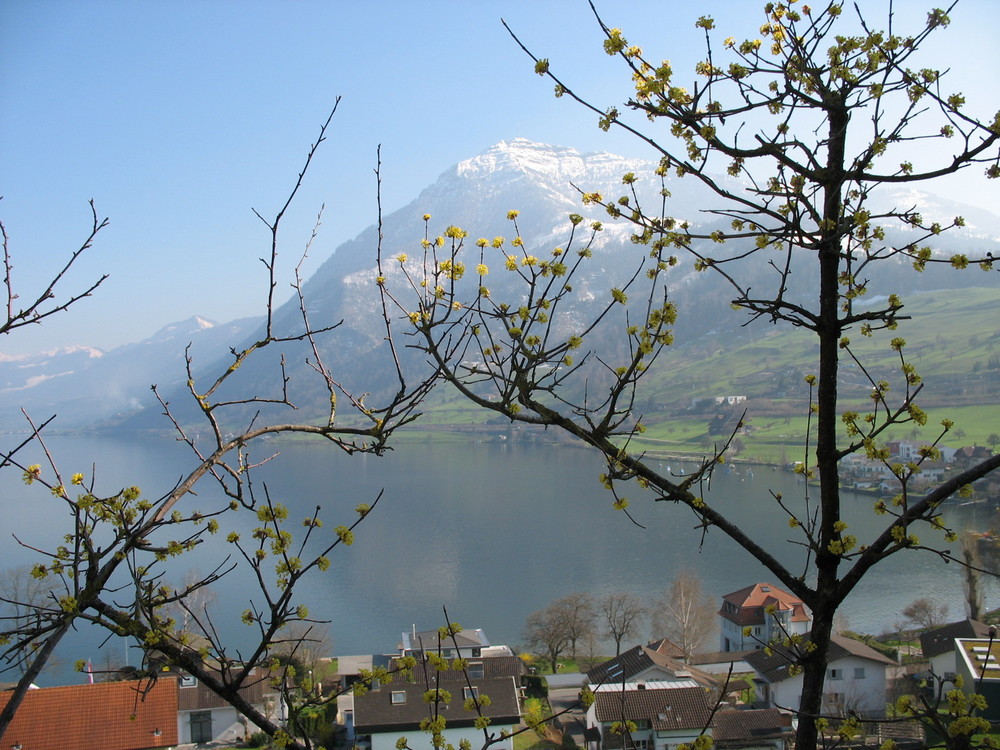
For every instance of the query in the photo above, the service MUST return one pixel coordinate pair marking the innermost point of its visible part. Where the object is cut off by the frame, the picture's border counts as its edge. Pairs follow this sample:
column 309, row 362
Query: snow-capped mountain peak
column 182, row 328
column 542, row 162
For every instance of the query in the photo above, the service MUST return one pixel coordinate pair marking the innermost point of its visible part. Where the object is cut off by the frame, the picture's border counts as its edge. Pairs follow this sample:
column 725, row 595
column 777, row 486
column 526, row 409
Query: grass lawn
column 529, row 741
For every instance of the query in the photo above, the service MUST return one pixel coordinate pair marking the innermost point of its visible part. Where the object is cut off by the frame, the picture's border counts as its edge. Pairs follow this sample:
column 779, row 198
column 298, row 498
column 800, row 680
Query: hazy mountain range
column 87, row 387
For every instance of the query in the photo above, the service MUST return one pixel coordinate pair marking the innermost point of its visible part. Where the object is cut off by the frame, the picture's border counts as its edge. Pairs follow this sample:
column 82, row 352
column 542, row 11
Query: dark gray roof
column 774, row 668
column 636, row 660
column 375, row 711
column 499, row 666
column 719, row 657
column 738, row 728
column 622, row 667
column 492, row 666
column 666, row 709
column 429, row 640
column 938, row 641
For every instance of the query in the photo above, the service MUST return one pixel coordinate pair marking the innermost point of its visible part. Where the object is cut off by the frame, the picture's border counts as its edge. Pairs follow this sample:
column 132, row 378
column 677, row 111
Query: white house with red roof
column 757, row 614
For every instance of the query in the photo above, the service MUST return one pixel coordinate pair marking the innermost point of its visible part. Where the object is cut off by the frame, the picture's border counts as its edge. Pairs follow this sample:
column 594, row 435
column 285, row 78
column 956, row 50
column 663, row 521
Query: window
column 188, row 680
column 398, row 696
column 200, row 724
column 859, row 673
column 470, row 692
column 476, row 670
column 836, row 674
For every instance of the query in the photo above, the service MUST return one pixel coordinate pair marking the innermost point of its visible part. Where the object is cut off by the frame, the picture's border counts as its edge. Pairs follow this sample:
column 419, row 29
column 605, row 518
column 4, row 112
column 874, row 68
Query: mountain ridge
column 542, row 182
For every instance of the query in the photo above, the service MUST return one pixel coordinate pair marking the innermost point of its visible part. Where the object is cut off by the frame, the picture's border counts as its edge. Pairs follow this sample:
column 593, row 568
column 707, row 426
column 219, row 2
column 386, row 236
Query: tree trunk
column 813, row 678
column 826, row 597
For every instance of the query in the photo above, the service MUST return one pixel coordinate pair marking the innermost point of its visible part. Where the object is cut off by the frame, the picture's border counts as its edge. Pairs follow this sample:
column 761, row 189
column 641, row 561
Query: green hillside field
column 952, row 338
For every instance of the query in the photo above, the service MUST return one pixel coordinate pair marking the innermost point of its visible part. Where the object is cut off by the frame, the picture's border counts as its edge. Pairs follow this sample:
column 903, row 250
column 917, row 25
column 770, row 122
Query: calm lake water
column 490, row 531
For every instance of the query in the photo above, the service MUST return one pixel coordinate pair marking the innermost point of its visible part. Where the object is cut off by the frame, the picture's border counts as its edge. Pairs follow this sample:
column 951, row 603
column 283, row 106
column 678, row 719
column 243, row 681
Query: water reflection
column 491, row 532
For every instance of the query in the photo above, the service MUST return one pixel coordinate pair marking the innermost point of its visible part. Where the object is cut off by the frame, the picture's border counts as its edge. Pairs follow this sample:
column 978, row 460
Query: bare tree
column 303, row 646
column 685, row 613
column 194, row 608
column 547, row 634
column 45, row 302
column 122, row 541
column 926, row 614
column 40, row 304
column 621, row 615
column 812, row 121
column 579, row 612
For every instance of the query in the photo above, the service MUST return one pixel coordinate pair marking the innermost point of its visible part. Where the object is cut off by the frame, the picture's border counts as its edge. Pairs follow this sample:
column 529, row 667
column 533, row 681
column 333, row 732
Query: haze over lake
column 492, row 531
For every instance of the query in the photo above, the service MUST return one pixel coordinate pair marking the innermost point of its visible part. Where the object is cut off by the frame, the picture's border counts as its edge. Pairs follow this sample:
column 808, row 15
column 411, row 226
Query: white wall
column 419, row 740
column 866, row 695
column 226, row 725
column 944, row 664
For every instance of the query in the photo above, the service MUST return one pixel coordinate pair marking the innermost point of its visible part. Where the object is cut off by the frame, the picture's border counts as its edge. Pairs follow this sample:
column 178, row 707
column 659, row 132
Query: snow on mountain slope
column 544, row 183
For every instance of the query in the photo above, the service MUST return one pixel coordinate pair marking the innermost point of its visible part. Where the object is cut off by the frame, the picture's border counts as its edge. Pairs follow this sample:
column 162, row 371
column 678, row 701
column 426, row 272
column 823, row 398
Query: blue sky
column 178, row 117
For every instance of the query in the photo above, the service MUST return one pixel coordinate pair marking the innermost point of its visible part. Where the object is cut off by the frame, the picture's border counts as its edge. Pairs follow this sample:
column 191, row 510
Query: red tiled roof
column 751, row 601
column 95, row 717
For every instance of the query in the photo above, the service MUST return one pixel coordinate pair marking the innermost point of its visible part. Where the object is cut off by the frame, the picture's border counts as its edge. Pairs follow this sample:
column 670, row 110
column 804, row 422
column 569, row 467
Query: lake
column 488, row 530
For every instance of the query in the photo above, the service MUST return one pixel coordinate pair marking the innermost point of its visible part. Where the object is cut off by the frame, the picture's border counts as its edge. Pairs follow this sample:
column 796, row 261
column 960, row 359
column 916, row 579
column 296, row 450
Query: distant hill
column 87, row 387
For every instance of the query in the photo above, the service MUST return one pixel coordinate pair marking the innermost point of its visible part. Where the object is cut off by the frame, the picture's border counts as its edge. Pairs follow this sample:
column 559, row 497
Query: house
column 470, row 643
column 203, row 716
column 970, row 455
column 349, row 670
column 126, row 715
column 664, row 713
column 977, row 662
column 909, row 450
column 395, row 709
column 938, row 645
column 659, row 660
column 855, row 678
column 770, row 613
column 667, row 647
